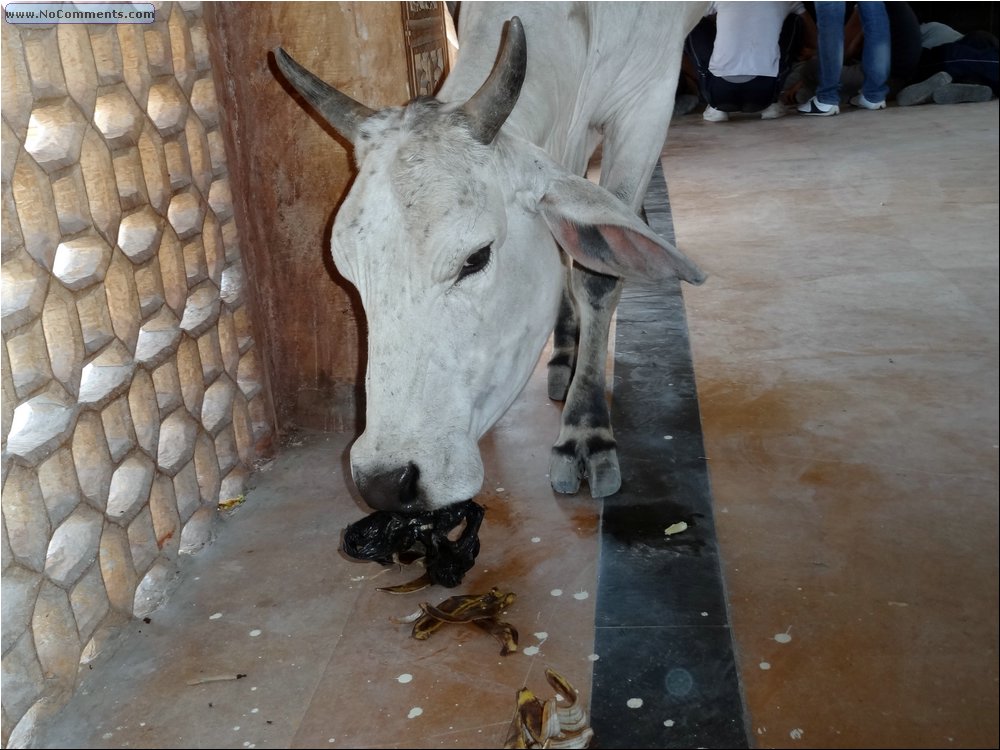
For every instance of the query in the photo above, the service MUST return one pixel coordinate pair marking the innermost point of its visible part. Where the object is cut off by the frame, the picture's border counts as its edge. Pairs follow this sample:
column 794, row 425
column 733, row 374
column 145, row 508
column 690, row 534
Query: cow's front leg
column 564, row 341
column 586, row 445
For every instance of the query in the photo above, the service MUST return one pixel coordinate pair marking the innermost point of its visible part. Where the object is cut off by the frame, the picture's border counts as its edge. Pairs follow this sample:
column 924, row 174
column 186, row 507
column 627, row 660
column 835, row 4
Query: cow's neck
column 551, row 122
column 536, row 119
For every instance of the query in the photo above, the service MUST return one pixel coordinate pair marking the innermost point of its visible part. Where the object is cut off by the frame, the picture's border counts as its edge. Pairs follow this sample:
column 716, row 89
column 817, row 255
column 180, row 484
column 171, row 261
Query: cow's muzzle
column 395, row 490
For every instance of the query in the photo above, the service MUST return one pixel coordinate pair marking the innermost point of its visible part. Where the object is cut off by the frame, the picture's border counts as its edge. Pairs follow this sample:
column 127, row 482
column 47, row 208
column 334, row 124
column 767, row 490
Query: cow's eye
column 475, row 262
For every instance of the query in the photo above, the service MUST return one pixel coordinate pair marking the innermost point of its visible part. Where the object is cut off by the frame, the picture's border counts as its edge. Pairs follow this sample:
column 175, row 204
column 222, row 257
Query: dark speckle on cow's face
column 438, row 148
column 428, row 191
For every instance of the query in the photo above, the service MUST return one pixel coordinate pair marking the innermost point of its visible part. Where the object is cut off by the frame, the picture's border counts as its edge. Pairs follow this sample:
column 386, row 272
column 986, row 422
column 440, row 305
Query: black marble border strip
column 662, row 628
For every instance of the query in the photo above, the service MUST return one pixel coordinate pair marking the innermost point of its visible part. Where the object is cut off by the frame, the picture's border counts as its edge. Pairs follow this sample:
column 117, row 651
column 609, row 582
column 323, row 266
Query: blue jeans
column 875, row 55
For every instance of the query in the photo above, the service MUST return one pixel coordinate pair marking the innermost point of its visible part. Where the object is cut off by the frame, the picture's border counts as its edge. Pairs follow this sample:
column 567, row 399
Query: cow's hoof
column 603, row 474
column 559, row 378
column 565, row 473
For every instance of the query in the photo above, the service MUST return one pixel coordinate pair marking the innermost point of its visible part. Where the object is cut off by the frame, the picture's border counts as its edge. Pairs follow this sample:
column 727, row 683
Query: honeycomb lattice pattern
column 132, row 391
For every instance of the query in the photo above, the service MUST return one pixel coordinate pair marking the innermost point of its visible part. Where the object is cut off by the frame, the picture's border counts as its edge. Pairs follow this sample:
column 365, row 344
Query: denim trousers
column 875, row 55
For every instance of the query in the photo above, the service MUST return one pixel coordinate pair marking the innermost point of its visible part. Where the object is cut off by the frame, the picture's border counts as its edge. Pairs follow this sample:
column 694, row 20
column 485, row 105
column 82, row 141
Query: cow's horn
column 338, row 109
column 489, row 107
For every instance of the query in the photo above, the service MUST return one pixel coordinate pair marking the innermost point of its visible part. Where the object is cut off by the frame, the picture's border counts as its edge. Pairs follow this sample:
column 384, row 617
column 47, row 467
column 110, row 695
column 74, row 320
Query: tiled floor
column 324, row 666
column 846, row 362
column 845, row 350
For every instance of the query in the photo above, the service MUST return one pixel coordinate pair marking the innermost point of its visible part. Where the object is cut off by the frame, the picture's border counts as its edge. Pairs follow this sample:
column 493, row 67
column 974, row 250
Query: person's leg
column 961, row 93
column 956, row 72
column 789, row 45
column 931, row 62
column 800, row 83
column 756, row 94
column 830, row 25
column 688, row 88
column 699, row 45
column 763, row 94
column 973, row 59
column 981, row 39
column 906, row 44
column 722, row 97
column 923, row 91
column 876, row 54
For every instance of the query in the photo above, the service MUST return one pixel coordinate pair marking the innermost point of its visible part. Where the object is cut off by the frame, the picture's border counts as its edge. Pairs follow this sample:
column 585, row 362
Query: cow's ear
column 602, row 234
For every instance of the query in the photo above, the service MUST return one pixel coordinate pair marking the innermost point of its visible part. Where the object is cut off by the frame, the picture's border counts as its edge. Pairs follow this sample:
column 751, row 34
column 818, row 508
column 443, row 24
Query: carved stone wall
column 133, row 397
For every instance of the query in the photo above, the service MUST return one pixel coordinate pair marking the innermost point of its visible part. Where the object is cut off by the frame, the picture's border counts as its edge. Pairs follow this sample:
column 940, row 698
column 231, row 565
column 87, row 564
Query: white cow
column 452, row 234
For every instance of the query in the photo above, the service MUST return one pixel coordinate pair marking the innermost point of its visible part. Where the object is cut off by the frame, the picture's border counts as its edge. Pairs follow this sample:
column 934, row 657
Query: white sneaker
column 860, row 101
column 715, row 115
column 774, row 111
column 816, row 108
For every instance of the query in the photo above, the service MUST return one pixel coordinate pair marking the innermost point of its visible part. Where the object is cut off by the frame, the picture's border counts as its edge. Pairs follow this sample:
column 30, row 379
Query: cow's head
column 449, row 234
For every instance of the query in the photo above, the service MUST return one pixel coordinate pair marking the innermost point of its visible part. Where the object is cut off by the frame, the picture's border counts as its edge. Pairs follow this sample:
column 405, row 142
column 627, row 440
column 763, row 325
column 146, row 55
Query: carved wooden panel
column 426, row 44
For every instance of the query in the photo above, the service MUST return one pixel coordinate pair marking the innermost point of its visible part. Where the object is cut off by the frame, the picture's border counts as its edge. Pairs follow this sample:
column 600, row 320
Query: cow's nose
column 394, row 490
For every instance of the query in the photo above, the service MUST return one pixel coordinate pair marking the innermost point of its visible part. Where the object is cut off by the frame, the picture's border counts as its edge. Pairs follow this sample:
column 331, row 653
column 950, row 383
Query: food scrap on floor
column 481, row 610
column 551, row 723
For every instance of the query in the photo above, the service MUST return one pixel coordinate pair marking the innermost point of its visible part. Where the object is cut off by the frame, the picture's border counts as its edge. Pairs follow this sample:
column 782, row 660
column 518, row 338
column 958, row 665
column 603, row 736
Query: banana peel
column 480, row 610
column 503, row 632
column 551, row 723
column 417, row 584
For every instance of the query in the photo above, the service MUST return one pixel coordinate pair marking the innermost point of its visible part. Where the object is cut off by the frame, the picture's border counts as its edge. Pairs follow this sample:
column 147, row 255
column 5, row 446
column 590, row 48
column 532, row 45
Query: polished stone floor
column 845, row 349
column 845, row 360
